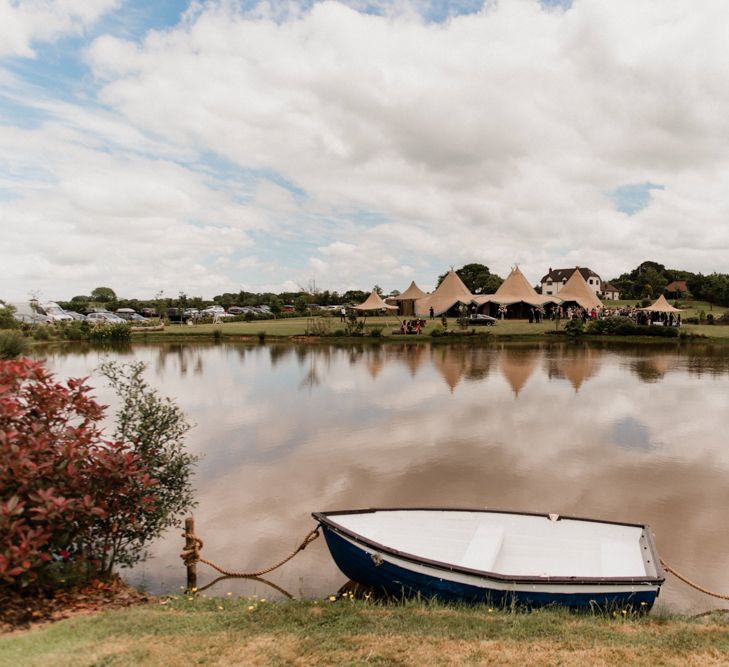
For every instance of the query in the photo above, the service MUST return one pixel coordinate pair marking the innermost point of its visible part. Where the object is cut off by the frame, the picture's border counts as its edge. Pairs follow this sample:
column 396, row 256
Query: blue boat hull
column 358, row 565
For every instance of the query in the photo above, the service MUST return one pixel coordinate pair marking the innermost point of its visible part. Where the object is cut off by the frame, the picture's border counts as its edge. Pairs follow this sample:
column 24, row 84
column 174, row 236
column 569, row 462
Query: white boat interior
column 509, row 544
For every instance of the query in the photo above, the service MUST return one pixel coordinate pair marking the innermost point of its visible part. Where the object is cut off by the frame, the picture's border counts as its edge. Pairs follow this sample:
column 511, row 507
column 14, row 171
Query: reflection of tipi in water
column 451, row 364
column 652, row 368
column 575, row 365
column 517, row 366
column 375, row 362
column 413, row 356
column 479, row 363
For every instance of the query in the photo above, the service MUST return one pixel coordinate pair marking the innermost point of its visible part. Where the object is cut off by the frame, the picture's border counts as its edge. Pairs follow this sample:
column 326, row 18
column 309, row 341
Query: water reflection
column 629, row 433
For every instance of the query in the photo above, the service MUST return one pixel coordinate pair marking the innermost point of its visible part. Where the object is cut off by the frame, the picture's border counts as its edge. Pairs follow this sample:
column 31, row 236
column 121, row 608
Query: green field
column 300, row 325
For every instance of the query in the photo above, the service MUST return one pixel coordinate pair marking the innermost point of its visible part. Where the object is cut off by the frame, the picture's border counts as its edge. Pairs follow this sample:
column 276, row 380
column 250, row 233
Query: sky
column 208, row 147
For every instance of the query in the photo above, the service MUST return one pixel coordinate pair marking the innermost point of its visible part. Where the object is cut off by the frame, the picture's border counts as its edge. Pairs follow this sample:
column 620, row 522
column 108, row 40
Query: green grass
column 297, row 326
column 286, row 328
column 350, row 632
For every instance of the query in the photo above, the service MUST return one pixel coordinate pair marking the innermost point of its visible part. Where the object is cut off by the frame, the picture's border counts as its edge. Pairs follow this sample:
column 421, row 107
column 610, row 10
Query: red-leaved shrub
column 64, row 489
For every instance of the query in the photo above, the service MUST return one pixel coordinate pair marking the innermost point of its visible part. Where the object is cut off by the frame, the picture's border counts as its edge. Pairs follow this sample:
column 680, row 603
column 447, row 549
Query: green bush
column 7, row 321
column 76, row 330
column 574, row 328
column 376, row 332
column 437, row 332
column 155, row 429
column 624, row 326
column 42, row 332
column 12, row 345
column 110, row 333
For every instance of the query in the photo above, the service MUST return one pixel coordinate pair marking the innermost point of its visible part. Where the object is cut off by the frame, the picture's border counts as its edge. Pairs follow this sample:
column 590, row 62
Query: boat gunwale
column 323, row 519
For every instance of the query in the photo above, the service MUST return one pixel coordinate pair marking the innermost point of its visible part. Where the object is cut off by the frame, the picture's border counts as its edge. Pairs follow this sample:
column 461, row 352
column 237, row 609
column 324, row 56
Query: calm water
column 626, row 434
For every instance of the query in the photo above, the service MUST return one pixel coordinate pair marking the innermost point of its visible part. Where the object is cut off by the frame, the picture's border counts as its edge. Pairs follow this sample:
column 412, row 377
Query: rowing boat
column 499, row 557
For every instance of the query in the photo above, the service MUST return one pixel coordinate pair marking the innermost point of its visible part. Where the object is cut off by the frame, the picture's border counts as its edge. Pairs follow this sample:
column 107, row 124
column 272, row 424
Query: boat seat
column 483, row 548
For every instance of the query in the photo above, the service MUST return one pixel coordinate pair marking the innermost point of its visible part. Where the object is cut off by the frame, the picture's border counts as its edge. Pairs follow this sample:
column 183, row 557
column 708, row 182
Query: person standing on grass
column 432, row 313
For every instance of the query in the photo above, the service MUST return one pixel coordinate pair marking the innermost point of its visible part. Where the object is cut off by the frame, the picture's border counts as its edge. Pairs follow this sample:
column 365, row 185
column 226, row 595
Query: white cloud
column 26, row 21
column 385, row 148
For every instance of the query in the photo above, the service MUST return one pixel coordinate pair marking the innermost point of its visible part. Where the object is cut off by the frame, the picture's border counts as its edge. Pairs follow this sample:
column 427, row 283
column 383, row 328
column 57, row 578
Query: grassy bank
column 348, row 632
column 506, row 329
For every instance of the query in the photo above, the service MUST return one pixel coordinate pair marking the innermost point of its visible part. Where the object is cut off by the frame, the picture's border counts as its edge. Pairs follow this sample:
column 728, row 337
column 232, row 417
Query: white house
column 552, row 283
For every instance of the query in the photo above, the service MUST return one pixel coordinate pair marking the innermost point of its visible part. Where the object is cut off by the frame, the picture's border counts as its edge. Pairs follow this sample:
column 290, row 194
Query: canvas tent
column 450, row 292
column 374, row 302
column 661, row 306
column 515, row 290
column 576, row 290
column 406, row 300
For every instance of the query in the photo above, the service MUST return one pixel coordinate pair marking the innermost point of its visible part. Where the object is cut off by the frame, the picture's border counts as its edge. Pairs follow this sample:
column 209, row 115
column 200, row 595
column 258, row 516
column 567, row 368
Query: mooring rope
column 693, row 584
column 191, row 555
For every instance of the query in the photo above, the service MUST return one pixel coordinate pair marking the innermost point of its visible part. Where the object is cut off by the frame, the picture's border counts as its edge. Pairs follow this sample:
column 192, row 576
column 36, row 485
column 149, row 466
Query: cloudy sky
column 218, row 146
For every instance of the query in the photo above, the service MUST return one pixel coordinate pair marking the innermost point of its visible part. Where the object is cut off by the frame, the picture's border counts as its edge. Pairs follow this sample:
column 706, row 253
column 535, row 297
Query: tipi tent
column 578, row 291
column 374, row 302
column 450, row 292
column 515, row 289
column 406, row 300
column 661, row 306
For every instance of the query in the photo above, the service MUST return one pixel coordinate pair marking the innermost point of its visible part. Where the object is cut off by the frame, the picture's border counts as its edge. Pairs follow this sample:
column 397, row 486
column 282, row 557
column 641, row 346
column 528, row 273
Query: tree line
column 648, row 280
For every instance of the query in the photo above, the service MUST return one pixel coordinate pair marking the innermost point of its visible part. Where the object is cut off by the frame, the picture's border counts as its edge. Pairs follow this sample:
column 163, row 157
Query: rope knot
column 191, row 554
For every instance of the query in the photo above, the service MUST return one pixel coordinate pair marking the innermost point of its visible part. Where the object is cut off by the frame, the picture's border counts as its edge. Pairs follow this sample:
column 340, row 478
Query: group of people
column 412, row 326
column 636, row 314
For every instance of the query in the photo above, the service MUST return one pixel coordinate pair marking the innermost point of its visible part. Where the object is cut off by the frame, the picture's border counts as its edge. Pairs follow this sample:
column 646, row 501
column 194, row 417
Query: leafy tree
column 478, row 278
column 7, row 321
column 275, row 305
column 155, row 429
column 377, row 289
column 354, row 296
column 301, row 305
column 103, row 294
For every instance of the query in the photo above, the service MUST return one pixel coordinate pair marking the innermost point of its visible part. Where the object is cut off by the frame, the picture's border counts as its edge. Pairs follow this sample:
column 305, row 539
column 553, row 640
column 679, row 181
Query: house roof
column 450, row 292
column 577, row 290
column 608, row 287
column 677, row 286
column 559, row 275
column 412, row 292
column 515, row 289
column 374, row 302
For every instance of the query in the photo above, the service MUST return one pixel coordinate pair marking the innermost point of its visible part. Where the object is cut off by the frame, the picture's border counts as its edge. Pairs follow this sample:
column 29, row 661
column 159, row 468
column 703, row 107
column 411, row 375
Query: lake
column 624, row 433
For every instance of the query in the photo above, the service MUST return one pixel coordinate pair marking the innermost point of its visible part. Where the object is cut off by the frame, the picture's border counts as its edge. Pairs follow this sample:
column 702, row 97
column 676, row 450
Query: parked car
column 481, row 319
column 176, row 316
column 215, row 312
column 32, row 318
column 125, row 313
column 149, row 312
column 76, row 316
column 55, row 312
column 105, row 316
column 28, row 313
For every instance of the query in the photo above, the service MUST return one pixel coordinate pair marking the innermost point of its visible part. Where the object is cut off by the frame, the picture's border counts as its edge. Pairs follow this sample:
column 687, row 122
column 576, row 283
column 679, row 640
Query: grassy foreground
column 350, row 632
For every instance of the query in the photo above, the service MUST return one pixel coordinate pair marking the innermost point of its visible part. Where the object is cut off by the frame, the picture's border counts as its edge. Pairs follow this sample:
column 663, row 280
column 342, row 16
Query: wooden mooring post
column 190, row 545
